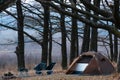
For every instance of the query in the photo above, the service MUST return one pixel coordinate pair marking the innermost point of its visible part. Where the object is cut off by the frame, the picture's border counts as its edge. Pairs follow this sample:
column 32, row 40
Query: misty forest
column 35, row 31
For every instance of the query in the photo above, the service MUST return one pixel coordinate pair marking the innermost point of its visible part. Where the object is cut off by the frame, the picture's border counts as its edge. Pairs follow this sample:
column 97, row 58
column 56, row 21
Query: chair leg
column 38, row 72
column 49, row 72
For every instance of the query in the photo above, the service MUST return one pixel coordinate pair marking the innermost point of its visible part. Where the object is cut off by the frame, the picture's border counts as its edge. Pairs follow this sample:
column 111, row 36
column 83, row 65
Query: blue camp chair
column 49, row 68
column 39, row 67
column 42, row 66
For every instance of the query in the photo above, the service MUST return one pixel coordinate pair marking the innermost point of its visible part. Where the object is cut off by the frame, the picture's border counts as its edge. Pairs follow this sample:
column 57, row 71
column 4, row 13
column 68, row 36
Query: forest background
column 58, row 31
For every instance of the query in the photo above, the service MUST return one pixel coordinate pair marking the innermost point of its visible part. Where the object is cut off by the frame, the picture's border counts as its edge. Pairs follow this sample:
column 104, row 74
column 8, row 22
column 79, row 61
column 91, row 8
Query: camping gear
column 91, row 63
column 49, row 68
column 42, row 66
column 8, row 75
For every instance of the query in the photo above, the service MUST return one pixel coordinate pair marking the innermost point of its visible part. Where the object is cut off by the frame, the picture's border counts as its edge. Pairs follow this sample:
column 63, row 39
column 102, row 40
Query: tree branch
column 31, row 37
column 112, row 29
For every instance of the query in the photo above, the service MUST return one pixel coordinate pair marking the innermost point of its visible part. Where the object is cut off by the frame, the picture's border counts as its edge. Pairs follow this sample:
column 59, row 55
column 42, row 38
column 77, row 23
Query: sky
column 28, row 1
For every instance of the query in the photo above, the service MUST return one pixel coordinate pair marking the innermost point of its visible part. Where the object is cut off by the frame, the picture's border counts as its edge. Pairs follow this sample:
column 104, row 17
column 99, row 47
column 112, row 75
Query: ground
column 8, row 62
column 62, row 76
column 59, row 74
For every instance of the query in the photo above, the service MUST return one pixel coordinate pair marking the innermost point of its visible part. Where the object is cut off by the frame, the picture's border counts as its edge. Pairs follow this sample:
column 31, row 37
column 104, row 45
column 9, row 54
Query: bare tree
column 20, row 46
column 86, row 35
column 74, row 33
column 45, row 34
column 64, row 34
column 94, row 34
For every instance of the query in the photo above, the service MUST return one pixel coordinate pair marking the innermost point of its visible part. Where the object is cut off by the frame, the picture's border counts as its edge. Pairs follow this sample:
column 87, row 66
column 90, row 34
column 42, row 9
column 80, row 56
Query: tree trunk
column 117, row 25
column 115, row 48
column 63, row 46
column 20, row 47
column 116, row 14
column 86, row 35
column 50, row 44
column 118, row 63
column 111, row 46
column 73, row 52
column 45, row 34
column 94, row 34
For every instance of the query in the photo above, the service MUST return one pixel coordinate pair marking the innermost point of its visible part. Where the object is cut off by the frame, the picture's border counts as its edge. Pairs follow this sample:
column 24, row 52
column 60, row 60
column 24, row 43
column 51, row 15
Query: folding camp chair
column 39, row 67
column 42, row 66
column 49, row 68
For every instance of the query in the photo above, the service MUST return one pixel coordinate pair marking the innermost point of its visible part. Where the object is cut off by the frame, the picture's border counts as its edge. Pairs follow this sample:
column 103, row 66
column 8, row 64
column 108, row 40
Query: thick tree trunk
column 116, row 13
column 93, row 44
column 45, row 34
column 115, row 48
column 50, row 44
column 86, row 35
column 63, row 46
column 86, row 39
column 74, row 33
column 20, row 47
column 117, row 25
column 94, row 34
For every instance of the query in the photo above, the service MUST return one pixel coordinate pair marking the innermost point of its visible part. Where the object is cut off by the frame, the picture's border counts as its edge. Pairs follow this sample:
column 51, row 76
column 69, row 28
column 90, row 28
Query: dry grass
column 60, row 75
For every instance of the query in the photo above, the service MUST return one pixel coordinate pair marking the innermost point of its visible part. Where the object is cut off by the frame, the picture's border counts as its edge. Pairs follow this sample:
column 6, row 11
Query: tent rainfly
column 91, row 63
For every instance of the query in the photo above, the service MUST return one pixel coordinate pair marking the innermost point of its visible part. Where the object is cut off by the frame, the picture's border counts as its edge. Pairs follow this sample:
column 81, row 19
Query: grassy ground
column 62, row 76
column 58, row 74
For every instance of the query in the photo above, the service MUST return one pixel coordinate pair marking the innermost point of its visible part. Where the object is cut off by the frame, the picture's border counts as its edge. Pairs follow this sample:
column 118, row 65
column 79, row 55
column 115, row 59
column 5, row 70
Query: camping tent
column 91, row 63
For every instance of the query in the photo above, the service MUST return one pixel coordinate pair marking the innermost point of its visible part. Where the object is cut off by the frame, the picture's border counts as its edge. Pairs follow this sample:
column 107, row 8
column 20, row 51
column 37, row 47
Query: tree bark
column 117, row 25
column 50, row 45
column 63, row 46
column 94, row 34
column 20, row 47
column 86, row 35
column 116, row 14
column 115, row 48
column 74, row 33
column 111, row 46
column 45, row 34
column 118, row 63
